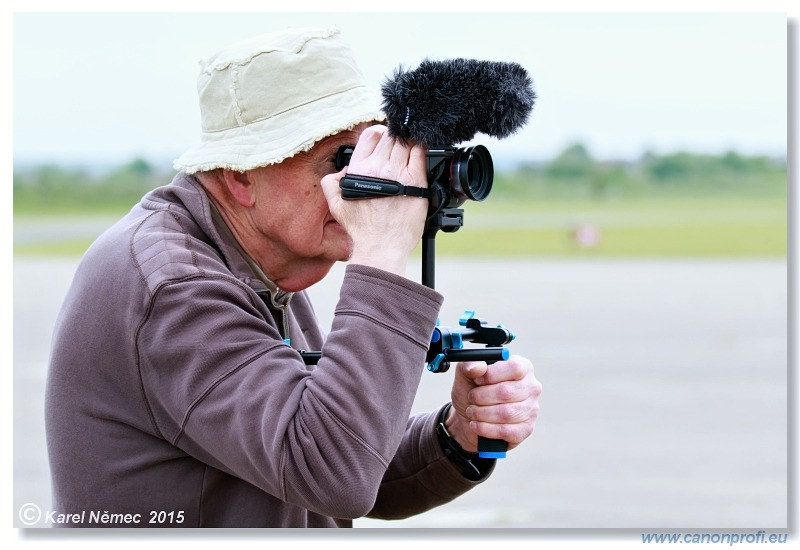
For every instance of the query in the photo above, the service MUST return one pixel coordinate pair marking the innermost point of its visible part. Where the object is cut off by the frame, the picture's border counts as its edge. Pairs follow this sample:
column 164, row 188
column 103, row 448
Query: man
column 176, row 396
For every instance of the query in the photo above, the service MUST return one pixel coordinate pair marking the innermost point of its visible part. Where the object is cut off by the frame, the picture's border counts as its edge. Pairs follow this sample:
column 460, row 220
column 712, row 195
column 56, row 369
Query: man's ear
column 241, row 187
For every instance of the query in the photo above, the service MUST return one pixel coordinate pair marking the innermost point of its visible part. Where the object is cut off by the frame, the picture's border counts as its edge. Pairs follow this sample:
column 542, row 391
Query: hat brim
column 283, row 135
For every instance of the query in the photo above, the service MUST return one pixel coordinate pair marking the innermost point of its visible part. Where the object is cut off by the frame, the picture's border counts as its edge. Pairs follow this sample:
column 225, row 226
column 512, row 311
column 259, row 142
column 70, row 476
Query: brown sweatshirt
column 173, row 399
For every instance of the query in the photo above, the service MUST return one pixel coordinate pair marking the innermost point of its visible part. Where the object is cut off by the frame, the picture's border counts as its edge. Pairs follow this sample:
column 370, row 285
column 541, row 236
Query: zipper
column 277, row 310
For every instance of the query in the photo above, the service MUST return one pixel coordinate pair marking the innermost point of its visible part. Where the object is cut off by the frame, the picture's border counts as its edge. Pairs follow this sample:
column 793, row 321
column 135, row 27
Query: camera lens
column 472, row 172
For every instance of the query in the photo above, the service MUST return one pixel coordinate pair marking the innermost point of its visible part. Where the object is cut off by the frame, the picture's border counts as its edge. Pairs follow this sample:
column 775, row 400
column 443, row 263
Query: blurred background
column 635, row 239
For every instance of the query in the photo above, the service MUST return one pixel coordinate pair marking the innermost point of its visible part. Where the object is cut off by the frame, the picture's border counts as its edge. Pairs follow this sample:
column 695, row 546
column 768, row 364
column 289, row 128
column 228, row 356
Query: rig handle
column 492, row 448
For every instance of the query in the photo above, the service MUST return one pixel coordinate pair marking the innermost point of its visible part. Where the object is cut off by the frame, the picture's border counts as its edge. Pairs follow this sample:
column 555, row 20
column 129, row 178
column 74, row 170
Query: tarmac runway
column 665, row 402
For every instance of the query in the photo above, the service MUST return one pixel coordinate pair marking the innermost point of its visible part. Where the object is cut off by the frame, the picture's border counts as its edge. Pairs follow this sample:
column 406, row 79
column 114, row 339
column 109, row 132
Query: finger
column 398, row 158
column 392, row 157
column 330, row 188
column 417, row 164
column 513, row 434
column 505, row 413
column 471, row 369
column 367, row 142
column 504, row 392
column 384, row 148
column 516, row 368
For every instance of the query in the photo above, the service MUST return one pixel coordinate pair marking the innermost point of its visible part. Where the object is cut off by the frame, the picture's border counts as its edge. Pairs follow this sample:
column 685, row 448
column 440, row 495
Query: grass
column 72, row 247
column 699, row 240
column 692, row 227
column 666, row 227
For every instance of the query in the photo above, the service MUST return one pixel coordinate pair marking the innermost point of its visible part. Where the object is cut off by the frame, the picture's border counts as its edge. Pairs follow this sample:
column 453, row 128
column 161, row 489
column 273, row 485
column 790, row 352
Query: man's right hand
column 384, row 230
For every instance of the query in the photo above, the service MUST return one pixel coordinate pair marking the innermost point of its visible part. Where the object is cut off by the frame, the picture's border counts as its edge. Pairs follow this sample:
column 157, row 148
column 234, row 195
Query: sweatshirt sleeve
column 420, row 477
column 222, row 386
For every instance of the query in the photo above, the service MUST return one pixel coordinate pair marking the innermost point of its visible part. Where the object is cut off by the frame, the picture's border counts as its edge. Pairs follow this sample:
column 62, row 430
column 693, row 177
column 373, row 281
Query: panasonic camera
column 455, row 175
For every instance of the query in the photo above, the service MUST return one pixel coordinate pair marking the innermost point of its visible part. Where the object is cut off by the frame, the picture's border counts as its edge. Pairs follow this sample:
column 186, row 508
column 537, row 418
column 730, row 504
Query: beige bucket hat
column 272, row 96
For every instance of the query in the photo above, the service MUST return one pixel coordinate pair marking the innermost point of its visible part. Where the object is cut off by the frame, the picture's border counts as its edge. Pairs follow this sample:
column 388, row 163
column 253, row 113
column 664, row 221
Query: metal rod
column 429, row 260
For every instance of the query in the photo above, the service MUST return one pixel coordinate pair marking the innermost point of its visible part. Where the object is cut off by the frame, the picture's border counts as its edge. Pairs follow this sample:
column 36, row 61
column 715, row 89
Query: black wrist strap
column 465, row 460
column 365, row 187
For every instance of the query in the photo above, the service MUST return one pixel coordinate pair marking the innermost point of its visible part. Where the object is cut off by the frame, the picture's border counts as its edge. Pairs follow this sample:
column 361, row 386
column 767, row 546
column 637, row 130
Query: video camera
column 455, row 175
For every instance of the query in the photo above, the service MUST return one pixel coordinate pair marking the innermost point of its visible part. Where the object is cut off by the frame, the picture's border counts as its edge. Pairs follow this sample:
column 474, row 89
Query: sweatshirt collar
column 241, row 264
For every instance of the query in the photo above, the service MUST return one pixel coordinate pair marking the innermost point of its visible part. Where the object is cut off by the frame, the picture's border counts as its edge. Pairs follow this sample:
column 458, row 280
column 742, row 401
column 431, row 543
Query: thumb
column 330, row 188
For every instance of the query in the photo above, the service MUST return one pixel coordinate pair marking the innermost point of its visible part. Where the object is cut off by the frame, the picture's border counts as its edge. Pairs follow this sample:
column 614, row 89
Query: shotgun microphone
column 442, row 103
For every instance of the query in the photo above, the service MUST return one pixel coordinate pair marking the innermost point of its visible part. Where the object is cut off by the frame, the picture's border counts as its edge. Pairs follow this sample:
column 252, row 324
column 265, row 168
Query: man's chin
column 345, row 250
column 341, row 254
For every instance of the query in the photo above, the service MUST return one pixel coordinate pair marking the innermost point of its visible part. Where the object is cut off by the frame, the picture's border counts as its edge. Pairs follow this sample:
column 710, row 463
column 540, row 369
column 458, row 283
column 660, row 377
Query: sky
column 104, row 88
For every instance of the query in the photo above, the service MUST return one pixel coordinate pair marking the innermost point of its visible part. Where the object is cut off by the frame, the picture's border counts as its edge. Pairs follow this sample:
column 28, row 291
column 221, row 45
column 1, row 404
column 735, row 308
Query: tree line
column 572, row 173
column 575, row 173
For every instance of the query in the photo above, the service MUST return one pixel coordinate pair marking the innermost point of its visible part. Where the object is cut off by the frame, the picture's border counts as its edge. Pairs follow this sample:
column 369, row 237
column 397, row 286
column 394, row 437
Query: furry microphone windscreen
column 442, row 103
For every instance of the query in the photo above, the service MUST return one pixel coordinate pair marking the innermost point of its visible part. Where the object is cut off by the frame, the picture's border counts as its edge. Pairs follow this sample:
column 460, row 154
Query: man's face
column 291, row 210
